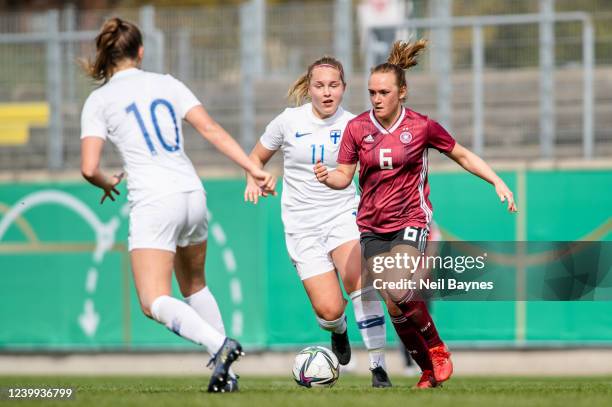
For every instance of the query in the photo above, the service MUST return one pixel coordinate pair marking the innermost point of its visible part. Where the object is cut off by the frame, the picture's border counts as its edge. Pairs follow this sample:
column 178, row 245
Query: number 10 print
column 134, row 109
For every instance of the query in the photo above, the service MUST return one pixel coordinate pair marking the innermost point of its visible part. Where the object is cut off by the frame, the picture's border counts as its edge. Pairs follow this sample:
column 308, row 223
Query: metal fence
column 477, row 24
column 241, row 60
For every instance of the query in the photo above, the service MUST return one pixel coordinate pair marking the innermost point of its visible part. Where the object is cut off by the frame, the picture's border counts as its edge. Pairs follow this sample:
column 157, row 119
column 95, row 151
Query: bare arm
column 199, row 118
column 91, row 151
column 477, row 166
column 340, row 178
column 260, row 156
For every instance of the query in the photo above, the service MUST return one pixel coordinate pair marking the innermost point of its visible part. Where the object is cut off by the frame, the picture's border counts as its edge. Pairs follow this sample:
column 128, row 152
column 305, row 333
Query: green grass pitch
column 349, row 391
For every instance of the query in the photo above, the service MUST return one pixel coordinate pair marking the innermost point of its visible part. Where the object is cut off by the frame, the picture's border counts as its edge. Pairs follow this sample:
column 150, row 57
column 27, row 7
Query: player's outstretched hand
column 266, row 181
column 320, row 171
column 505, row 194
column 252, row 192
column 110, row 188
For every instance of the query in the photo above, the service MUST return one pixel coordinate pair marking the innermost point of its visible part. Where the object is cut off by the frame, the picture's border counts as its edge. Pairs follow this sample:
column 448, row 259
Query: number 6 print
column 410, row 233
column 386, row 162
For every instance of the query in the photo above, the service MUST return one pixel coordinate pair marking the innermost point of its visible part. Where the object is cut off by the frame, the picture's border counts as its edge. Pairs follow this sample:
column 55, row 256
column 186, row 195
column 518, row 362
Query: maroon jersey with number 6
column 393, row 168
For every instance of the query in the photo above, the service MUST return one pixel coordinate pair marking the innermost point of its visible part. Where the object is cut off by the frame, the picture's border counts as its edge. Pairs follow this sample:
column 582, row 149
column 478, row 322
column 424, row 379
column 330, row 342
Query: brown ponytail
column 403, row 56
column 298, row 92
column 118, row 40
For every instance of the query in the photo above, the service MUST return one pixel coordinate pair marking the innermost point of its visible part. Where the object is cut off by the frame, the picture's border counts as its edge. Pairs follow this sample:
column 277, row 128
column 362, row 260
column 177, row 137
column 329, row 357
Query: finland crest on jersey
column 305, row 140
column 335, row 135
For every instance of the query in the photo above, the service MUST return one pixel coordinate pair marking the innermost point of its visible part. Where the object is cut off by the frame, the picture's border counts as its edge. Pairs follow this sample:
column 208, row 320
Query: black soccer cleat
column 380, row 378
column 230, row 351
column 341, row 347
column 231, row 385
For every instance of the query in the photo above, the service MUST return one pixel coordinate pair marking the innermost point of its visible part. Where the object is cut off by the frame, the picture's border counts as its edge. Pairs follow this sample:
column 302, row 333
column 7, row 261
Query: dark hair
column 299, row 90
column 403, row 56
column 118, row 39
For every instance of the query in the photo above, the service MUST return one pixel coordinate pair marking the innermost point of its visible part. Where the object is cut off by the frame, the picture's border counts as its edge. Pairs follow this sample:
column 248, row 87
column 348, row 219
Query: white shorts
column 310, row 251
column 173, row 220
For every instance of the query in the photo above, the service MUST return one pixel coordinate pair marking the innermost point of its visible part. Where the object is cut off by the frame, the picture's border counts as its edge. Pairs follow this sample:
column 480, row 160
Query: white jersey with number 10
column 141, row 113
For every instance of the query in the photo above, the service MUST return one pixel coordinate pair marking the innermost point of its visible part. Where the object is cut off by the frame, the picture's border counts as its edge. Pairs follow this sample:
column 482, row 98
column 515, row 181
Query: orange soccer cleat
column 442, row 364
column 427, row 380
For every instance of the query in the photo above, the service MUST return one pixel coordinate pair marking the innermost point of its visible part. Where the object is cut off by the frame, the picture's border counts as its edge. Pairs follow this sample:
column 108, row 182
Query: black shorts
column 373, row 244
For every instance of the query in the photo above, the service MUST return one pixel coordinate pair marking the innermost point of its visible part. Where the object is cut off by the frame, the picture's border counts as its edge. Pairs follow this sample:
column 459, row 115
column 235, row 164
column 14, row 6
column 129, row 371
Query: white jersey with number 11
column 305, row 139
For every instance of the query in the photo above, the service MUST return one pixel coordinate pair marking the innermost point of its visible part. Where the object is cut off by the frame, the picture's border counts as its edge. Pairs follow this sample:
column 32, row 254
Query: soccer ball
column 316, row 366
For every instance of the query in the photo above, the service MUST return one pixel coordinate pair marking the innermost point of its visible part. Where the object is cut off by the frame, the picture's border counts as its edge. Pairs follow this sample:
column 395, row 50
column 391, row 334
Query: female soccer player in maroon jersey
column 390, row 143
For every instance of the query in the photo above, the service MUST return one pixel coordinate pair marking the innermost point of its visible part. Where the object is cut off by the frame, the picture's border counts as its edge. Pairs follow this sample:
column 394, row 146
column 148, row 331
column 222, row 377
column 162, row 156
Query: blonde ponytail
column 298, row 92
column 403, row 56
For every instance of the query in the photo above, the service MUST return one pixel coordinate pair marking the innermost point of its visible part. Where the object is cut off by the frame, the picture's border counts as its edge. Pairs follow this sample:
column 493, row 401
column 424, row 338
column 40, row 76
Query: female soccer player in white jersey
column 390, row 143
column 140, row 113
column 320, row 229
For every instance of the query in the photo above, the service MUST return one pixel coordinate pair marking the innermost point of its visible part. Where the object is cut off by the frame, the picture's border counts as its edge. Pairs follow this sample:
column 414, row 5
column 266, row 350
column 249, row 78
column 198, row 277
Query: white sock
column 337, row 325
column 184, row 321
column 370, row 319
column 205, row 304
